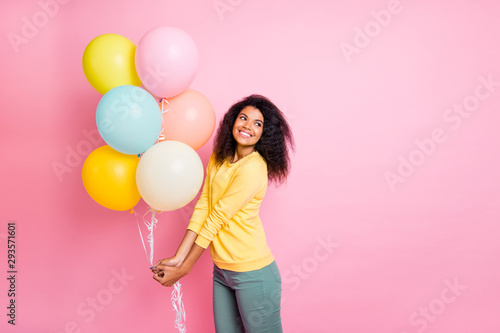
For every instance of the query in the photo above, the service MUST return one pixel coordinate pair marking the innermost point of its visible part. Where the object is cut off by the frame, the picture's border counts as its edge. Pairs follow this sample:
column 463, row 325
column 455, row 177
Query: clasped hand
column 168, row 271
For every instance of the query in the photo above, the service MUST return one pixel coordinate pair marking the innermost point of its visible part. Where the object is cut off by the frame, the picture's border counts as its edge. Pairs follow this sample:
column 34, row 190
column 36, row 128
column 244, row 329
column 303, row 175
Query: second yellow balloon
column 109, row 178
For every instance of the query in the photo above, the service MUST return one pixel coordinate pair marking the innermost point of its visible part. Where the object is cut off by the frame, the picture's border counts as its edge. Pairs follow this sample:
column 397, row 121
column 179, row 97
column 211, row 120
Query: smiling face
column 247, row 128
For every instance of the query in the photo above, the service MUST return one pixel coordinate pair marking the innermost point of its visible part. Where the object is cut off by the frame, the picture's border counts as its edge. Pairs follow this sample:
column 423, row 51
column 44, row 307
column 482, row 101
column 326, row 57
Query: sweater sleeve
column 200, row 212
column 247, row 182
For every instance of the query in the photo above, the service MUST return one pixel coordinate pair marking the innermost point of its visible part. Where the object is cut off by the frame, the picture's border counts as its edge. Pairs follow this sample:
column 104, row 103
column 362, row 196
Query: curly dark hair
column 274, row 144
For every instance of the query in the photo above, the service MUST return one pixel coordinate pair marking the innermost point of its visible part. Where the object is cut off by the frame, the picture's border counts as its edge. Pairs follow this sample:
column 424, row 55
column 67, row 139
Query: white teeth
column 246, row 135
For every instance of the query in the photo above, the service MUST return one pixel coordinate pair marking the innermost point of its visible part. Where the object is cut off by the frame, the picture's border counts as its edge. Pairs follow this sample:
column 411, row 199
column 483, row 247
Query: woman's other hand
column 167, row 275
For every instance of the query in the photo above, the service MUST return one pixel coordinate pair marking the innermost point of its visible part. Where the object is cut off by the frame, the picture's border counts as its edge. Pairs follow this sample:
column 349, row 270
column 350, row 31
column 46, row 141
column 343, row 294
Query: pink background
column 419, row 254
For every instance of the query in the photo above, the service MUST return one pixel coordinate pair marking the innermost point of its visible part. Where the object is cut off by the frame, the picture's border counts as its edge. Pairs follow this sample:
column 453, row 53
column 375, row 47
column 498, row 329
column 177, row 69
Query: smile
column 244, row 134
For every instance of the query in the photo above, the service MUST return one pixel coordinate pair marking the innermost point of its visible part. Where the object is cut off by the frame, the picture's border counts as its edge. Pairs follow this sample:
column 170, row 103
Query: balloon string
column 150, row 225
column 161, row 137
column 163, row 101
column 176, row 296
column 180, row 314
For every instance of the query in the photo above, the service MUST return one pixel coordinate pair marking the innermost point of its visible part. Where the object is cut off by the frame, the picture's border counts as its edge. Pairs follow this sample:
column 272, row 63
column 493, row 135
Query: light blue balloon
column 129, row 119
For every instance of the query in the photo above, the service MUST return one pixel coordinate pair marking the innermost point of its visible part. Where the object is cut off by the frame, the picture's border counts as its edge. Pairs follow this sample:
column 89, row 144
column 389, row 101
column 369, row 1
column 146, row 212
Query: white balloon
column 169, row 175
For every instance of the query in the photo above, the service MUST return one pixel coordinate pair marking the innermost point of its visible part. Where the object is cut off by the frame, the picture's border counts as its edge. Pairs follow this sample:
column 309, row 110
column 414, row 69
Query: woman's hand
column 167, row 275
column 169, row 270
column 172, row 262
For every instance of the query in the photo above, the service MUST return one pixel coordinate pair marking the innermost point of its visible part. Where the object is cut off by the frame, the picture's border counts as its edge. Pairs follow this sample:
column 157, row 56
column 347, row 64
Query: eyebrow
column 242, row 113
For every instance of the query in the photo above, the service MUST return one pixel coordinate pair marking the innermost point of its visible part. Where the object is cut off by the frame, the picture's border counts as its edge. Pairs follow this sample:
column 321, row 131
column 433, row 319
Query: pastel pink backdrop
column 357, row 253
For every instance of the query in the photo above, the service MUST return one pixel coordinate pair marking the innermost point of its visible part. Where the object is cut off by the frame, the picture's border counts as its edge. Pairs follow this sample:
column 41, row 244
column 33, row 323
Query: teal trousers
column 247, row 301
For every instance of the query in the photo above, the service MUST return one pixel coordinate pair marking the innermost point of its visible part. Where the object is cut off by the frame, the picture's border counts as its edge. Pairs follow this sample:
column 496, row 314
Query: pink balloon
column 190, row 119
column 158, row 98
column 166, row 61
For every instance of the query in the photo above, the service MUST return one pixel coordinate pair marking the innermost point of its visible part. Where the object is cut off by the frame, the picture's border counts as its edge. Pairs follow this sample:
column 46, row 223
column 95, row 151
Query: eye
column 243, row 117
column 258, row 124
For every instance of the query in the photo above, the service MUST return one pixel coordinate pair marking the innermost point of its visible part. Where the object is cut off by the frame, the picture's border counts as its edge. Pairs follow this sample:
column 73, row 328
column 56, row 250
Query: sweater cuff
column 194, row 226
column 202, row 242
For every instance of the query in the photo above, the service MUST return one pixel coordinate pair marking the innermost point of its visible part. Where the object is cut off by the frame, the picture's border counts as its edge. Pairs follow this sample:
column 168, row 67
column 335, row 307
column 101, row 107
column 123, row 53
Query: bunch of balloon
column 127, row 118
column 152, row 125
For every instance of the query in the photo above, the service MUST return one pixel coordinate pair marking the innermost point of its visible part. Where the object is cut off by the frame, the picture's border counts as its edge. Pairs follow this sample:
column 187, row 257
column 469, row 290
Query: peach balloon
column 188, row 117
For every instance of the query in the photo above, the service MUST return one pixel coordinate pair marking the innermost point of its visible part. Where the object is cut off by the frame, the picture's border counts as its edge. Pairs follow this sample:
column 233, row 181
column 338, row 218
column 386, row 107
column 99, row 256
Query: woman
column 251, row 147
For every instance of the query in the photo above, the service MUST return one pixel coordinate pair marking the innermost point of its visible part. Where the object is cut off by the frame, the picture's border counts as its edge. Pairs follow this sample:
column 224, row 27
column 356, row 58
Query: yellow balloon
column 109, row 178
column 109, row 61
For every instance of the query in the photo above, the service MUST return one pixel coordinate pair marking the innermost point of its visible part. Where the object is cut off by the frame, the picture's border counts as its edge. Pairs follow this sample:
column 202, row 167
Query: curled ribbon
column 176, row 296
column 164, row 109
column 180, row 314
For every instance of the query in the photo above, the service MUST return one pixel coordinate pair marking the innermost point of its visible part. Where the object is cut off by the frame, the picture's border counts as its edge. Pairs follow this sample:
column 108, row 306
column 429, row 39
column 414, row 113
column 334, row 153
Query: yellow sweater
column 226, row 216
